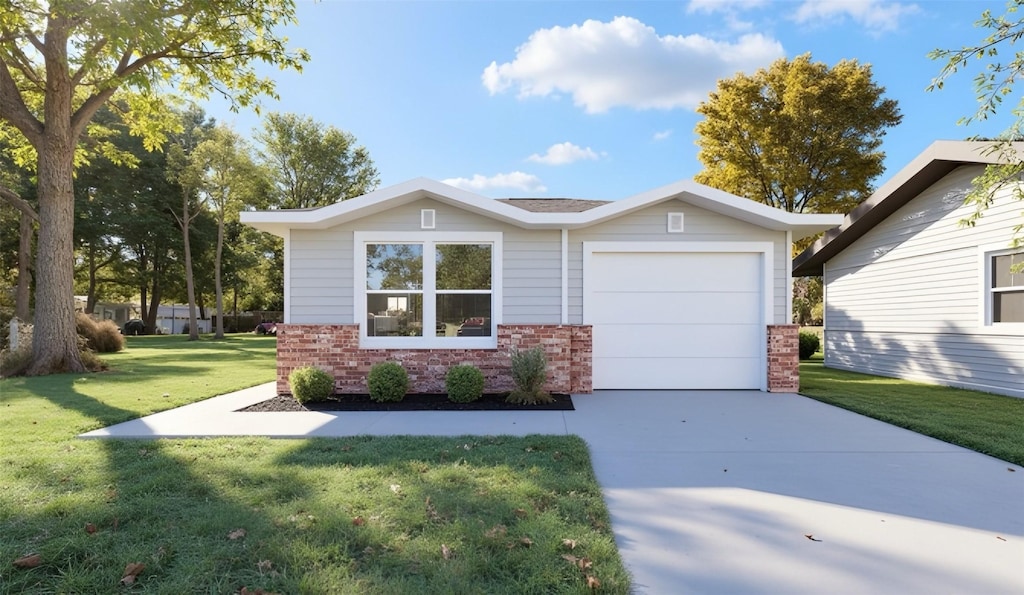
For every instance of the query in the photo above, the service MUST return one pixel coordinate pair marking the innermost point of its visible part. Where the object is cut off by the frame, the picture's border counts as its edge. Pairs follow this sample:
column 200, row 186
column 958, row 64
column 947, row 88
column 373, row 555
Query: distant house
column 911, row 293
column 680, row 287
column 119, row 313
column 172, row 319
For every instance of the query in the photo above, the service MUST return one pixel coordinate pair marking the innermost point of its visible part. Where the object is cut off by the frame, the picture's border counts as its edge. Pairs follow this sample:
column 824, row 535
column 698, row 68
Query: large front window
column 1006, row 289
column 428, row 289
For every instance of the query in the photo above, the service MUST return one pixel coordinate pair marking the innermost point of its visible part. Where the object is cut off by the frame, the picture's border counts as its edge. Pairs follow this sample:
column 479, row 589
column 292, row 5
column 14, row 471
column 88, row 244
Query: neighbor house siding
column 322, row 276
column 906, row 298
column 700, row 225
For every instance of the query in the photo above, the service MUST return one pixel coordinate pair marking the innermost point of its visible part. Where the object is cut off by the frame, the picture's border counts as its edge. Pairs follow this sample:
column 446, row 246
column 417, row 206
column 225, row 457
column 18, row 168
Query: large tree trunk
column 218, row 289
column 22, row 296
column 54, row 338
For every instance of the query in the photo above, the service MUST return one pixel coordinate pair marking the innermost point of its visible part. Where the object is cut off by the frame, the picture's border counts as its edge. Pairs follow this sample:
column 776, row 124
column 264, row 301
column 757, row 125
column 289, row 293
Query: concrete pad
column 717, row 491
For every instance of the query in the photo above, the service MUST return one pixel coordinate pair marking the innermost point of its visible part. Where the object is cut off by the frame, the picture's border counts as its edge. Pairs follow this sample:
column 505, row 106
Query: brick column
column 582, row 356
column 783, row 358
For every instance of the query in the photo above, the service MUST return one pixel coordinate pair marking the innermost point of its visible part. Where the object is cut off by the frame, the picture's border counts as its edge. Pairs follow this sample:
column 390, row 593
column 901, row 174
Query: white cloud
column 626, row 63
column 564, row 153
column 516, row 180
column 875, row 15
column 662, row 135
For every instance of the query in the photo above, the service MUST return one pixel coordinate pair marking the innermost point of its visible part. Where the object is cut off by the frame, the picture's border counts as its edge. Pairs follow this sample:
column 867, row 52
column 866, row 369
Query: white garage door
column 676, row 320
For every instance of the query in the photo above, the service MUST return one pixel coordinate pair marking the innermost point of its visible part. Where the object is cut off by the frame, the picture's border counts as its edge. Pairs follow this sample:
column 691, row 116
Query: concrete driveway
column 735, row 491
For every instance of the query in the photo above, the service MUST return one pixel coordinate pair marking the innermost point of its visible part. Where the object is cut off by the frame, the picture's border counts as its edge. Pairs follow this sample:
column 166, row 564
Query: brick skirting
column 335, row 348
column 783, row 358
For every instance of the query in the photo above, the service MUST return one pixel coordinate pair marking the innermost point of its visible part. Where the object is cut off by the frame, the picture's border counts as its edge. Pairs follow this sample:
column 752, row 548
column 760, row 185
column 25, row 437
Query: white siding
column 321, row 265
column 700, row 225
column 906, row 300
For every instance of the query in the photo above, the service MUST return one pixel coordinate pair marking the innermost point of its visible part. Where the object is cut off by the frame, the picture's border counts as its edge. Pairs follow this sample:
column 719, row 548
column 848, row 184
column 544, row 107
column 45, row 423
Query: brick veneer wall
column 335, row 347
column 783, row 358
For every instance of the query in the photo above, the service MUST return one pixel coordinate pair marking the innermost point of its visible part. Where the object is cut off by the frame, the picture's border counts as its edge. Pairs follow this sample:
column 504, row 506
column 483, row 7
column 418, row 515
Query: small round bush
column 311, row 384
column 809, row 344
column 464, row 383
column 102, row 336
column 387, row 381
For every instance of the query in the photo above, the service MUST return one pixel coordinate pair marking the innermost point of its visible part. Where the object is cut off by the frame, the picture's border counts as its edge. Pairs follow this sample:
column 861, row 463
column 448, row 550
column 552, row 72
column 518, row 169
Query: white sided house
column 912, row 293
column 682, row 287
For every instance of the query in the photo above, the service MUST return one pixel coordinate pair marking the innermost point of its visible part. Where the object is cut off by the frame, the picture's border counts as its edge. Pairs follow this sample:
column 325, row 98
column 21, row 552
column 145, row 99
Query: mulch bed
column 411, row 402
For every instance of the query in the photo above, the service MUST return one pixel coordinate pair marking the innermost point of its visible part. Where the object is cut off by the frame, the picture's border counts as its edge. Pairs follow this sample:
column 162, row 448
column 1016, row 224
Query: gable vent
column 675, row 223
column 427, row 219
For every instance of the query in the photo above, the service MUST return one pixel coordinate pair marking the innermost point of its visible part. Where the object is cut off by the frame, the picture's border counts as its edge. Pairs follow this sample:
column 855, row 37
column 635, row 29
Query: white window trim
column 429, row 239
column 985, row 255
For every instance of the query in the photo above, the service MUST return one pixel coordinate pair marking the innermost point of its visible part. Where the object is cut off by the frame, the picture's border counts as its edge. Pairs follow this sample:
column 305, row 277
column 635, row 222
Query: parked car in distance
column 266, row 328
column 134, row 326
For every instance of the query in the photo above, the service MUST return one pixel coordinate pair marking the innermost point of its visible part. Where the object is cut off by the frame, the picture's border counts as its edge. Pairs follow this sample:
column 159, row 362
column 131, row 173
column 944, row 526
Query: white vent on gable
column 427, row 218
column 675, row 223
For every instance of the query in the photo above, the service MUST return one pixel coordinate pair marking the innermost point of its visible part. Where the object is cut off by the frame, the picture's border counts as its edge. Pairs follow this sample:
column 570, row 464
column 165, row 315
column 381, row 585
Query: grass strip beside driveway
column 356, row 515
column 987, row 423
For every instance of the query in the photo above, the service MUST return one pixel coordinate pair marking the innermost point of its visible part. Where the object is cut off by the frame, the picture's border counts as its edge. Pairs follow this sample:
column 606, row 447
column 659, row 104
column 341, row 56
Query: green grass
column 357, row 515
column 987, row 423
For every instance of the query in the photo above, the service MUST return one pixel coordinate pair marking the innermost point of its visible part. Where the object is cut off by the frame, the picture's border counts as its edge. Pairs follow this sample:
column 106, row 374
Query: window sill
column 428, row 343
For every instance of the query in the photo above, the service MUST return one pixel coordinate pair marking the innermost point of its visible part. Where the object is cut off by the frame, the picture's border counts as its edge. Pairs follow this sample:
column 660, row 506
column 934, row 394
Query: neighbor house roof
column 940, row 158
column 280, row 221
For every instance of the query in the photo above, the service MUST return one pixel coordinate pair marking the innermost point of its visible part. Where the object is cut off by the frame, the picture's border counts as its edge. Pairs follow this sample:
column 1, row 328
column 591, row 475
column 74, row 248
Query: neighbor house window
column 1006, row 288
column 428, row 289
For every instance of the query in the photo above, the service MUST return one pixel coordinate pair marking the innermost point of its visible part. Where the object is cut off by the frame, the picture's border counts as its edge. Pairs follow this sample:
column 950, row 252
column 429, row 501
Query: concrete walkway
column 722, row 491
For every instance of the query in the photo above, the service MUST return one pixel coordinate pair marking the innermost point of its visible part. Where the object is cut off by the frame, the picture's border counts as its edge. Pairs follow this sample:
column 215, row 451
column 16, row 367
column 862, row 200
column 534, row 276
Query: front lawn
column 359, row 515
column 987, row 423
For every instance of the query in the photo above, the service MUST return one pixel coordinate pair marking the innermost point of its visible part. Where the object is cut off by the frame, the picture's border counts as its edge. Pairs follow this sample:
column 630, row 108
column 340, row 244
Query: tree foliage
column 312, row 164
column 799, row 136
column 992, row 85
column 60, row 61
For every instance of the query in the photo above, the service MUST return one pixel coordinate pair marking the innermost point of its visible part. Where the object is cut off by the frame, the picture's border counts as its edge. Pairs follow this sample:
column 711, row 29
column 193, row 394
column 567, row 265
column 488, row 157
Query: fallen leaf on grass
column 569, row 543
column 520, row 513
column 581, row 563
column 236, row 534
column 431, row 511
column 446, row 552
column 265, row 565
column 90, row 528
column 131, row 572
column 593, row 583
column 496, row 531
column 526, row 541
column 29, row 561
column 811, row 537
column 358, row 521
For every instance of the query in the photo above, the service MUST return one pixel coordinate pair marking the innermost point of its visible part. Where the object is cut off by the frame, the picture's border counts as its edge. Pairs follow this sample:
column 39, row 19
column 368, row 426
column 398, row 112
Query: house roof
column 554, row 205
column 278, row 222
column 940, row 158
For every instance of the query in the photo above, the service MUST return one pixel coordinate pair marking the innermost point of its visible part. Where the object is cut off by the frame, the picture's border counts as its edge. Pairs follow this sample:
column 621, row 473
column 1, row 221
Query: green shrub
column 464, row 383
column 809, row 344
column 529, row 371
column 387, row 381
column 101, row 337
column 310, row 384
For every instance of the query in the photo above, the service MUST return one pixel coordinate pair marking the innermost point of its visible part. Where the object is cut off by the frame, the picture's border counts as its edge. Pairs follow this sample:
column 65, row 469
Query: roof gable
column 938, row 160
column 538, row 213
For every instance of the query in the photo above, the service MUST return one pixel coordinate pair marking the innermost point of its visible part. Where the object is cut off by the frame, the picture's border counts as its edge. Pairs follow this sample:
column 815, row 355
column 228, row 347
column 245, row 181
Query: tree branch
column 18, row 202
column 14, row 110
column 89, row 55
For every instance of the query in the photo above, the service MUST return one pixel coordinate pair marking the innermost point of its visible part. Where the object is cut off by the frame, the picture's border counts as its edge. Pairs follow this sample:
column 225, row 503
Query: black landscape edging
column 411, row 402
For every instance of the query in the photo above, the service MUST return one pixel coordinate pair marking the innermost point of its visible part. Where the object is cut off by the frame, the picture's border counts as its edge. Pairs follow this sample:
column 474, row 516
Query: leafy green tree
column 313, row 165
column 994, row 83
column 70, row 57
column 231, row 180
column 798, row 135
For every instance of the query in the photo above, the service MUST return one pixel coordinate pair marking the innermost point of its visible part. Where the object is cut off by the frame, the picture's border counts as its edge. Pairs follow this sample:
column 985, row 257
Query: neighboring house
column 680, row 287
column 118, row 313
column 912, row 293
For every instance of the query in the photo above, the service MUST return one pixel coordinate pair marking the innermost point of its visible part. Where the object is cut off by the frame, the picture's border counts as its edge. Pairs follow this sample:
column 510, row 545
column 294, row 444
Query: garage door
column 676, row 320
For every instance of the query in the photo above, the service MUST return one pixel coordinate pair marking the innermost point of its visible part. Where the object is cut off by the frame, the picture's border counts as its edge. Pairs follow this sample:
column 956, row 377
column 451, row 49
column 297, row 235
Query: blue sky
column 593, row 99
